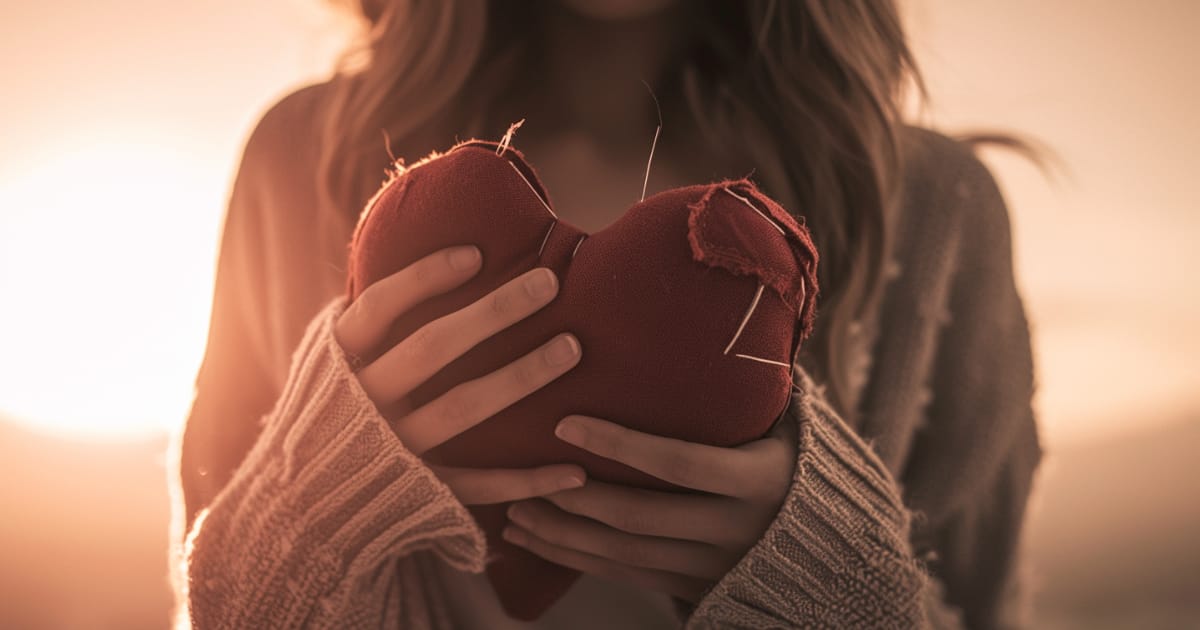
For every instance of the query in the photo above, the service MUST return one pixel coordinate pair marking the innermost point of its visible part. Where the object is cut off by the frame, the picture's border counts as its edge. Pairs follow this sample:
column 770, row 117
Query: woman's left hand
column 679, row 544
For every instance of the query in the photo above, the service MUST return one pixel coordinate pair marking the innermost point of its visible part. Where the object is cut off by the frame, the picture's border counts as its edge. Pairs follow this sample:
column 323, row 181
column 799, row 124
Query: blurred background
column 123, row 122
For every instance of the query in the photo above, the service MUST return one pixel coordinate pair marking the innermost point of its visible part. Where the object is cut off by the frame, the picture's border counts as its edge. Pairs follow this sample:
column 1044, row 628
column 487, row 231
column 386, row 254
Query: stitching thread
column 745, row 318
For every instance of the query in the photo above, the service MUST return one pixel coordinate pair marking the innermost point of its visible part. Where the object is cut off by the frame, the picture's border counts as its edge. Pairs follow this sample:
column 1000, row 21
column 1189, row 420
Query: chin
column 617, row 10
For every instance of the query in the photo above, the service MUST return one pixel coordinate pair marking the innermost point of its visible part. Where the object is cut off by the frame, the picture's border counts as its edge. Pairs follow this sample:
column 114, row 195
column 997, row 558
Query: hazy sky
column 123, row 121
column 1106, row 256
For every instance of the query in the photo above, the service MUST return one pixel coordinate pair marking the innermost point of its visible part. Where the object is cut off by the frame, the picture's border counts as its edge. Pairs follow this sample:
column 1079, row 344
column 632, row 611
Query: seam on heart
column 515, row 159
column 576, row 250
column 531, row 188
column 756, row 210
column 394, row 188
column 745, row 318
column 546, row 238
column 762, row 360
column 803, row 290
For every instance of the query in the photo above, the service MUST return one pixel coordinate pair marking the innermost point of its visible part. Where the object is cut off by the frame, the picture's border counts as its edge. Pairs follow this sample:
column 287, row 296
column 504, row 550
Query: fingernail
column 569, row 430
column 570, row 481
column 518, row 514
column 562, row 350
column 464, row 258
column 541, row 284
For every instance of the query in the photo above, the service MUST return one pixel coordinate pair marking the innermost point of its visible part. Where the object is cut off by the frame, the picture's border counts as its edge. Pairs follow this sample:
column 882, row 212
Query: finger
column 573, row 532
column 723, row 471
column 472, row 402
column 697, row 518
column 481, row 486
column 365, row 323
column 773, row 461
column 405, row 366
column 681, row 586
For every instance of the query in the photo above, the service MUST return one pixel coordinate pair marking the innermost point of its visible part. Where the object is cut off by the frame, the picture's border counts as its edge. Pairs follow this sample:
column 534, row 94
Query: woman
column 892, row 498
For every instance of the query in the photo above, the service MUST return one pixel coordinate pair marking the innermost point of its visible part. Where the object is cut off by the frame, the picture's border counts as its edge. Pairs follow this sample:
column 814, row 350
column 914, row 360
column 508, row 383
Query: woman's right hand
column 402, row 368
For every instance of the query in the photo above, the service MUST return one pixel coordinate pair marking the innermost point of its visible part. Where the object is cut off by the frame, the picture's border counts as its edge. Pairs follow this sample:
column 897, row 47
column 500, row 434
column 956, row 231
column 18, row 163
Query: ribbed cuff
column 325, row 497
column 837, row 554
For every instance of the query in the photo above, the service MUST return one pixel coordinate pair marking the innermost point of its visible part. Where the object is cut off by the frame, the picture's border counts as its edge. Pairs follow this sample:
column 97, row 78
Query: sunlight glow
column 106, row 262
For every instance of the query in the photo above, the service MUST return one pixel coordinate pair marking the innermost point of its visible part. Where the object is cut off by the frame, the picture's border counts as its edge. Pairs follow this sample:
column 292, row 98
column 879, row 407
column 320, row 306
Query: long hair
column 811, row 89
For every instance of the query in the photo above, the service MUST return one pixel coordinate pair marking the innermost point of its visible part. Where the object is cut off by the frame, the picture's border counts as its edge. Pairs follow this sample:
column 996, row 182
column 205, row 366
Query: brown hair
column 811, row 89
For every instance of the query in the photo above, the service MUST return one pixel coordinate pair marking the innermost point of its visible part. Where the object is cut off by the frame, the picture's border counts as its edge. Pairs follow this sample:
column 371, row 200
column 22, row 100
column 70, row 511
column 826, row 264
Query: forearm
column 324, row 499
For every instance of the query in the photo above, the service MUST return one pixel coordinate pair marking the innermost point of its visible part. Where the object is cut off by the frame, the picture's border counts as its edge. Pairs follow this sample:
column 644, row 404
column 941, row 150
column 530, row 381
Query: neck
column 590, row 79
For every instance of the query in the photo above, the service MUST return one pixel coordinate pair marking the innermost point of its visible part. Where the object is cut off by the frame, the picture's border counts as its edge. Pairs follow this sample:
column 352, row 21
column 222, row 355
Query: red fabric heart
column 655, row 300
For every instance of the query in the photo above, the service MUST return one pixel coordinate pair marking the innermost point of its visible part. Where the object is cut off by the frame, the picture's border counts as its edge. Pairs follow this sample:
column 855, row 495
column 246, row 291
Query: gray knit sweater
column 301, row 508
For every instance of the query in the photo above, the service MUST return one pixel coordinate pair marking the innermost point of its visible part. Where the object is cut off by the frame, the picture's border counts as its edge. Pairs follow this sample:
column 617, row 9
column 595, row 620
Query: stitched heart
column 690, row 310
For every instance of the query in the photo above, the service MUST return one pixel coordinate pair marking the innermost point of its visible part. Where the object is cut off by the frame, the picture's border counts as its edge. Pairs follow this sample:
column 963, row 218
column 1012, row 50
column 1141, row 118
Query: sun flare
column 106, row 262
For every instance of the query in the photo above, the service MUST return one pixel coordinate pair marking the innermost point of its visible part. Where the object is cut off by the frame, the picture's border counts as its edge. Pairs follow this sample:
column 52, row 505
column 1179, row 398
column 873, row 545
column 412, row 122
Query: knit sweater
column 302, row 508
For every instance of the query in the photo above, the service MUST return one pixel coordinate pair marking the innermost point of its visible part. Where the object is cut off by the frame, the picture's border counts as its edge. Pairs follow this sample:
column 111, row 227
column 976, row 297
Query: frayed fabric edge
column 799, row 291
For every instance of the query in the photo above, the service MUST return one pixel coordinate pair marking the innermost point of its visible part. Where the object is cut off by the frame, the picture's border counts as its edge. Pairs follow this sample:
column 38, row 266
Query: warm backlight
column 106, row 250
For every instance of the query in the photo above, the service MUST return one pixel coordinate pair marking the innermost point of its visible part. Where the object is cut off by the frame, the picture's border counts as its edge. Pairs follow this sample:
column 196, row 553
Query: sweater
column 302, row 508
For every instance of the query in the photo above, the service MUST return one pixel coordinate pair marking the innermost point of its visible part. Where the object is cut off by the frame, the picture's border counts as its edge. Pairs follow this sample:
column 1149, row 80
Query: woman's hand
column 679, row 544
column 367, row 320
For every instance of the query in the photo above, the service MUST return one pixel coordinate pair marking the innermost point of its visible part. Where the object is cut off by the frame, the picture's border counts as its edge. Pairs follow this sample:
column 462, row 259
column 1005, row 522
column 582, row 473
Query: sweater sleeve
column 294, row 503
column 837, row 554
column 309, row 528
